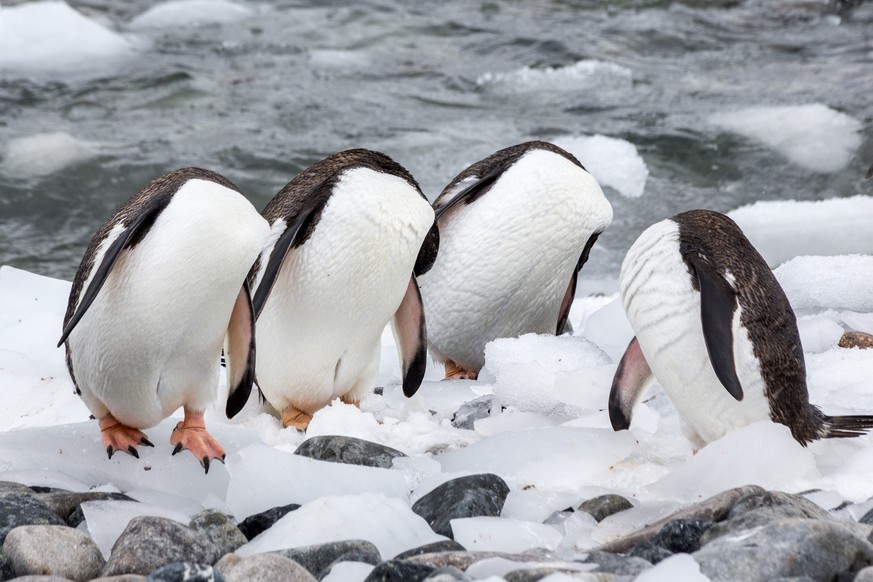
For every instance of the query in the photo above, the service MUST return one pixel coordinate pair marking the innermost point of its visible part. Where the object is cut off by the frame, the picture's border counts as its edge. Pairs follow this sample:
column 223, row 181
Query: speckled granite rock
column 53, row 549
column 185, row 572
column 400, row 571
column 68, row 505
column 318, row 557
column 220, row 529
column 17, row 509
column 349, row 450
column 262, row 568
column 443, row 546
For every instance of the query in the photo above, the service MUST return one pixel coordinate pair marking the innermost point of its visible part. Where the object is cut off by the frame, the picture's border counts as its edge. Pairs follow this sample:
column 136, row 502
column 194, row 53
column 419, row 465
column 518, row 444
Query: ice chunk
column 52, row 37
column 858, row 321
column 818, row 333
column 783, row 229
column 281, row 478
column 348, row 572
column 512, row 420
column 609, row 329
column 841, row 282
column 497, row 568
column 536, row 505
column 44, row 153
column 181, row 13
column 582, row 75
column 344, row 517
column 813, row 136
column 613, row 162
column 499, row 534
column 107, row 519
column 676, row 567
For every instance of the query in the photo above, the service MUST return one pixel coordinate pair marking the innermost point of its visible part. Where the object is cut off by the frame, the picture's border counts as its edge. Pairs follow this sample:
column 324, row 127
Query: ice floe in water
column 784, row 229
column 614, row 162
column 813, row 136
column 182, row 13
column 44, row 153
column 582, row 75
column 51, row 37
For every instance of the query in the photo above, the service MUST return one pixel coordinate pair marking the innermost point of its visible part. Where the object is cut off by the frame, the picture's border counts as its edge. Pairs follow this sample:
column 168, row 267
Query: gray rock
column 867, row 518
column 463, row 560
column 400, row 571
column 17, row 509
column 262, row 568
column 121, row 578
column 41, row 578
column 605, row 505
column 447, row 575
column 349, row 450
column 220, row 529
column 443, row 546
column 68, row 505
column 53, row 549
column 148, row 542
column 473, row 410
column 13, row 487
column 617, row 564
column 822, row 550
column 796, row 579
column 864, row 575
column 650, row 552
column 185, row 572
column 318, row 557
column 682, row 535
column 540, row 572
column 6, row 571
column 254, row 525
column 472, row 496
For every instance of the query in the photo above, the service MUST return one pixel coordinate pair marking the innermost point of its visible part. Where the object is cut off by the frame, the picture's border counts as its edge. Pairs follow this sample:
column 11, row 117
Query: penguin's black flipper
column 410, row 333
column 570, row 295
column 240, row 352
column 471, row 192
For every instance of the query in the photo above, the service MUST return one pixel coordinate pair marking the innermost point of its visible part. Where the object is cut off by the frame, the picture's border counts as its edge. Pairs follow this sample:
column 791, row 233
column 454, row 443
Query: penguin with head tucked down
column 160, row 288
column 515, row 230
column 349, row 235
column 717, row 331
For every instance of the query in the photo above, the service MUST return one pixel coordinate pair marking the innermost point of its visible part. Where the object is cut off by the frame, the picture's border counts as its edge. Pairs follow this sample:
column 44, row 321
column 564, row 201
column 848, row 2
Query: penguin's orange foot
column 456, row 372
column 119, row 437
column 295, row 418
column 191, row 434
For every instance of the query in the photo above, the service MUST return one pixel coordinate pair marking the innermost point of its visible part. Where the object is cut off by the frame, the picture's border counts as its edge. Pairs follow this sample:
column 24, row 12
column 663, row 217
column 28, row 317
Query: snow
column 784, row 229
column 44, row 153
column 613, row 162
column 812, row 136
column 52, row 38
column 189, row 13
column 547, row 435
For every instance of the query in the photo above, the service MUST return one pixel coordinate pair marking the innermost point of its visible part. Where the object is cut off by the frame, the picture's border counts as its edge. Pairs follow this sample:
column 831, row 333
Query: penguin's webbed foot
column 119, row 437
column 455, row 371
column 191, row 434
column 295, row 418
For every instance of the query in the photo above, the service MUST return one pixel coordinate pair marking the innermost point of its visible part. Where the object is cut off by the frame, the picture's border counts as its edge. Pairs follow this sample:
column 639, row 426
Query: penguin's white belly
column 664, row 311
column 319, row 332
column 152, row 338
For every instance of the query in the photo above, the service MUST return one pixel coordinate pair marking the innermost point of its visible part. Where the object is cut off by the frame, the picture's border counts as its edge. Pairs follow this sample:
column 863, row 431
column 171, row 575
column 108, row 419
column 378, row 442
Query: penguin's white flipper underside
column 240, row 352
column 411, row 336
column 632, row 377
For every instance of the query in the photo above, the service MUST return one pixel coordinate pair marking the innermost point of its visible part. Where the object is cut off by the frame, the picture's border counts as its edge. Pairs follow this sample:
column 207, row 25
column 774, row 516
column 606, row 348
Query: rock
column 185, row 572
column 149, row 542
column 258, row 523
column 262, row 568
column 13, row 487
column 400, row 571
column 220, row 529
column 53, row 549
column 447, row 575
column 473, row 410
column 349, row 450
column 17, row 509
column 864, row 575
column 40, row 578
column 714, row 508
column 650, row 552
column 68, row 505
column 617, row 564
column 682, row 535
column 6, row 571
column 472, row 496
column 822, row 550
column 856, row 339
column 463, row 560
column 121, row 578
column 867, row 518
column 605, row 505
column 318, row 557
column 443, row 546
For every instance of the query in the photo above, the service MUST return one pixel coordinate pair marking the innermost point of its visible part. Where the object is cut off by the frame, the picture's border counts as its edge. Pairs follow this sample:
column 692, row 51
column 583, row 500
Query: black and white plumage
column 349, row 234
column 515, row 230
column 160, row 287
column 717, row 331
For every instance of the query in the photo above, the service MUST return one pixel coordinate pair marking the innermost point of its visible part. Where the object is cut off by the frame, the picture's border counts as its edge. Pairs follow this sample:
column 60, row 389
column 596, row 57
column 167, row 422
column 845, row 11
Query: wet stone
column 471, row 411
column 17, row 509
column 121, row 578
column 255, row 524
column 317, row 558
column 6, row 571
column 471, row 496
column 617, row 564
column 348, row 450
column 856, row 339
column 53, row 549
column 220, row 529
column 262, row 568
column 400, row 571
column 149, row 543
column 442, row 546
column 185, row 572
column 650, row 552
column 68, row 505
column 682, row 535
column 605, row 505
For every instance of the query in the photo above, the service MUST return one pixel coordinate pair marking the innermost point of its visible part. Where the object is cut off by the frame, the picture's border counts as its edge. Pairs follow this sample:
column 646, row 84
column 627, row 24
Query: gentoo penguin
column 160, row 286
column 515, row 229
column 348, row 236
column 716, row 330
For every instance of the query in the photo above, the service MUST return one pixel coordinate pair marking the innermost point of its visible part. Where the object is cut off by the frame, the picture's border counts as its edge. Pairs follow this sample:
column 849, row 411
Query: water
column 436, row 85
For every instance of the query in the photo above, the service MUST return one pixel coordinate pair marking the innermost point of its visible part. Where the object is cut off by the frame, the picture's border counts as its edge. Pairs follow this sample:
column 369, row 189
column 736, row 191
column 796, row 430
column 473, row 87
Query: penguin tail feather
column 836, row 427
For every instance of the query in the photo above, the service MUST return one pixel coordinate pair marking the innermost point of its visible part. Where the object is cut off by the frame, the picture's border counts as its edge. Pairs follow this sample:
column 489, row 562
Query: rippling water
column 436, row 85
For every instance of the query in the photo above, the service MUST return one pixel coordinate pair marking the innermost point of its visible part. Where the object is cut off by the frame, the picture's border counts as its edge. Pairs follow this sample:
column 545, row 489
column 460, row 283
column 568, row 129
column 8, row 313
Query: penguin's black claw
column 206, row 464
column 110, row 451
column 146, row 442
column 178, row 449
column 133, row 452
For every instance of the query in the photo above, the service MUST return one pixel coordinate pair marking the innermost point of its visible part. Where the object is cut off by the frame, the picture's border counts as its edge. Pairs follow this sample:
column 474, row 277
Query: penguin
column 160, row 287
column 716, row 330
column 348, row 237
column 515, row 230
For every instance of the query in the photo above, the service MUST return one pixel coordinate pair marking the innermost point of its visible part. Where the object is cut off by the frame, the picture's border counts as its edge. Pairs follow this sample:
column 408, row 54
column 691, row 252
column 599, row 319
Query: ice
column 841, row 282
column 818, row 333
column 500, row 534
column 44, row 153
column 499, row 567
column 783, row 229
column 107, row 519
column 535, row 505
column 387, row 522
column 813, row 136
column 348, row 572
column 613, row 162
column 50, row 37
column 858, row 321
column 181, row 13
column 609, row 328
column 676, row 567
column 580, row 76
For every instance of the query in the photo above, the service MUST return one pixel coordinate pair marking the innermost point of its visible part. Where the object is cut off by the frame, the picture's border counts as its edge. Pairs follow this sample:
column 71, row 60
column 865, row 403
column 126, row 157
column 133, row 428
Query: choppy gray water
column 261, row 98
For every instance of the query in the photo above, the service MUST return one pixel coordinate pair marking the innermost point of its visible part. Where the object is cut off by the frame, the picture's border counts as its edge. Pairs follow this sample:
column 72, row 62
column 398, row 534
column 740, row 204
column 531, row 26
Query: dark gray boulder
column 53, row 549
column 255, row 524
column 68, row 505
column 603, row 506
column 650, row 552
column 220, row 529
column 316, row 559
column 17, row 509
column 349, row 450
column 399, row 571
column 442, row 546
column 6, row 571
column 682, row 535
column 471, row 496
